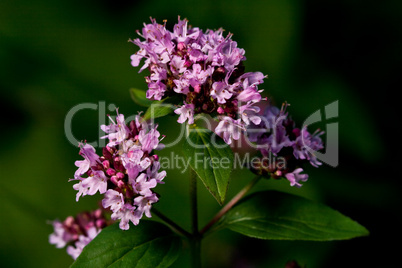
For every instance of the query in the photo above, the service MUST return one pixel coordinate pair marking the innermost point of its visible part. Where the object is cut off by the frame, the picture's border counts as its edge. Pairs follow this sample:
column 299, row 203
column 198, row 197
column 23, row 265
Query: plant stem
column 174, row 226
column 195, row 241
column 230, row 204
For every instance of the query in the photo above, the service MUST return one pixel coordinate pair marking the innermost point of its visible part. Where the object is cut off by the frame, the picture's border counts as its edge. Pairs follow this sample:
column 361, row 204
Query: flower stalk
column 174, row 226
column 230, row 204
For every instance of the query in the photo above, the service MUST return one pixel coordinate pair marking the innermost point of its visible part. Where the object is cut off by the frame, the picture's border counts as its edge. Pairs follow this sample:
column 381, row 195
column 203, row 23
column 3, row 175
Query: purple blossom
column 229, row 129
column 77, row 232
column 83, row 240
column 81, row 188
column 186, row 112
column 156, row 90
column 125, row 215
column 295, row 176
column 154, row 174
column 177, row 65
column 204, row 68
column 114, row 200
column 150, row 140
column 249, row 114
column 117, row 132
column 143, row 204
column 306, row 144
column 219, row 91
column 126, row 173
column 90, row 159
column 141, row 185
column 96, row 182
column 277, row 135
column 60, row 237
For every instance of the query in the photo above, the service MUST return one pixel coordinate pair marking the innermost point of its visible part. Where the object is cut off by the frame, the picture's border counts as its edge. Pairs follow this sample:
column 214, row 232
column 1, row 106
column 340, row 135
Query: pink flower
column 186, row 112
column 156, row 90
column 96, row 182
column 83, row 240
column 60, row 237
column 117, row 132
column 204, row 69
column 248, row 114
column 90, row 159
column 78, row 231
column 114, row 200
column 295, row 176
column 125, row 215
column 126, row 172
column 219, row 91
column 143, row 204
column 141, row 184
column 229, row 129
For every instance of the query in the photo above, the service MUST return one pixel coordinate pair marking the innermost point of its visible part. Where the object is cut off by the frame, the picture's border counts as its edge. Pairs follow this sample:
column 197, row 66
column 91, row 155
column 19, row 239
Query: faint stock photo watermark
column 246, row 160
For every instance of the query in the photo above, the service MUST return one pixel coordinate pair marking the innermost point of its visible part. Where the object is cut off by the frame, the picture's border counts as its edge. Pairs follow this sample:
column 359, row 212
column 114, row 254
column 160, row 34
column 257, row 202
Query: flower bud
column 106, row 164
column 114, row 180
column 110, row 171
column 69, row 221
column 100, row 223
column 181, row 46
column 197, row 88
column 121, row 184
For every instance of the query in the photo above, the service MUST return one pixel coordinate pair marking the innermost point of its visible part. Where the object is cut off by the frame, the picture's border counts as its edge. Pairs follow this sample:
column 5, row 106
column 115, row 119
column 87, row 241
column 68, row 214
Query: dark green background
column 57, row 54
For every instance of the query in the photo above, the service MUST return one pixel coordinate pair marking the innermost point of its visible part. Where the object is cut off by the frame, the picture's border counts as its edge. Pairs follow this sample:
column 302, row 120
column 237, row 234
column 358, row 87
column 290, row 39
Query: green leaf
column 161, row 108
column 140, row 97
column 211, row 158
column 280, row 216
column 150, row 244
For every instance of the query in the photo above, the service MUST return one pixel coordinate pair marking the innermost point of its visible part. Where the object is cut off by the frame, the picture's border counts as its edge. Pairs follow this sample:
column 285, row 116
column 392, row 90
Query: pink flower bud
column 197, row 88
column 114, row 180
column 296, row 131
column 120, row 175
column 69, row 221
column 181, row 46
column 98, row 213
column 121, row 184
column 106, row 164
column 89, row 225
column 110, row 171
column 220, row 110
column 156, row 157
column 100, row 223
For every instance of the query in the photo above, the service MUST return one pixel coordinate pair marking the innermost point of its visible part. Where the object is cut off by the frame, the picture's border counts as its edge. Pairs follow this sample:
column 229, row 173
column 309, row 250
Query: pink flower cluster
column 278, row 136
column 126, row 172
column 206, row 69
column 77, row 232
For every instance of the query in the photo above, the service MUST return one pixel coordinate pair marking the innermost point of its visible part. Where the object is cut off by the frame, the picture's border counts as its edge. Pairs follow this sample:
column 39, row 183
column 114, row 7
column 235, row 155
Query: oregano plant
column 199, row 77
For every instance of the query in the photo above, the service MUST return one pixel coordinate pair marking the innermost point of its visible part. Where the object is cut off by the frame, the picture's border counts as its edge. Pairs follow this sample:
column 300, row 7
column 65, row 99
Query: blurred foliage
column 58, row 54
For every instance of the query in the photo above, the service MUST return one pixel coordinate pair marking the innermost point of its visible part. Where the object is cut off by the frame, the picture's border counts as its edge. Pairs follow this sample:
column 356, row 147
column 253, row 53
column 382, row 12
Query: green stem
column 229, row 205
column 195, row 241
column 174, row 226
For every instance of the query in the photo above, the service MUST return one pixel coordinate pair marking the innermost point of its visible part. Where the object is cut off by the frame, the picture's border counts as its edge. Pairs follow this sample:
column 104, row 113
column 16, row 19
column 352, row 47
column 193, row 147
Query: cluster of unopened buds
column 77, row 232
column 205, row 69
column 278, row 137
